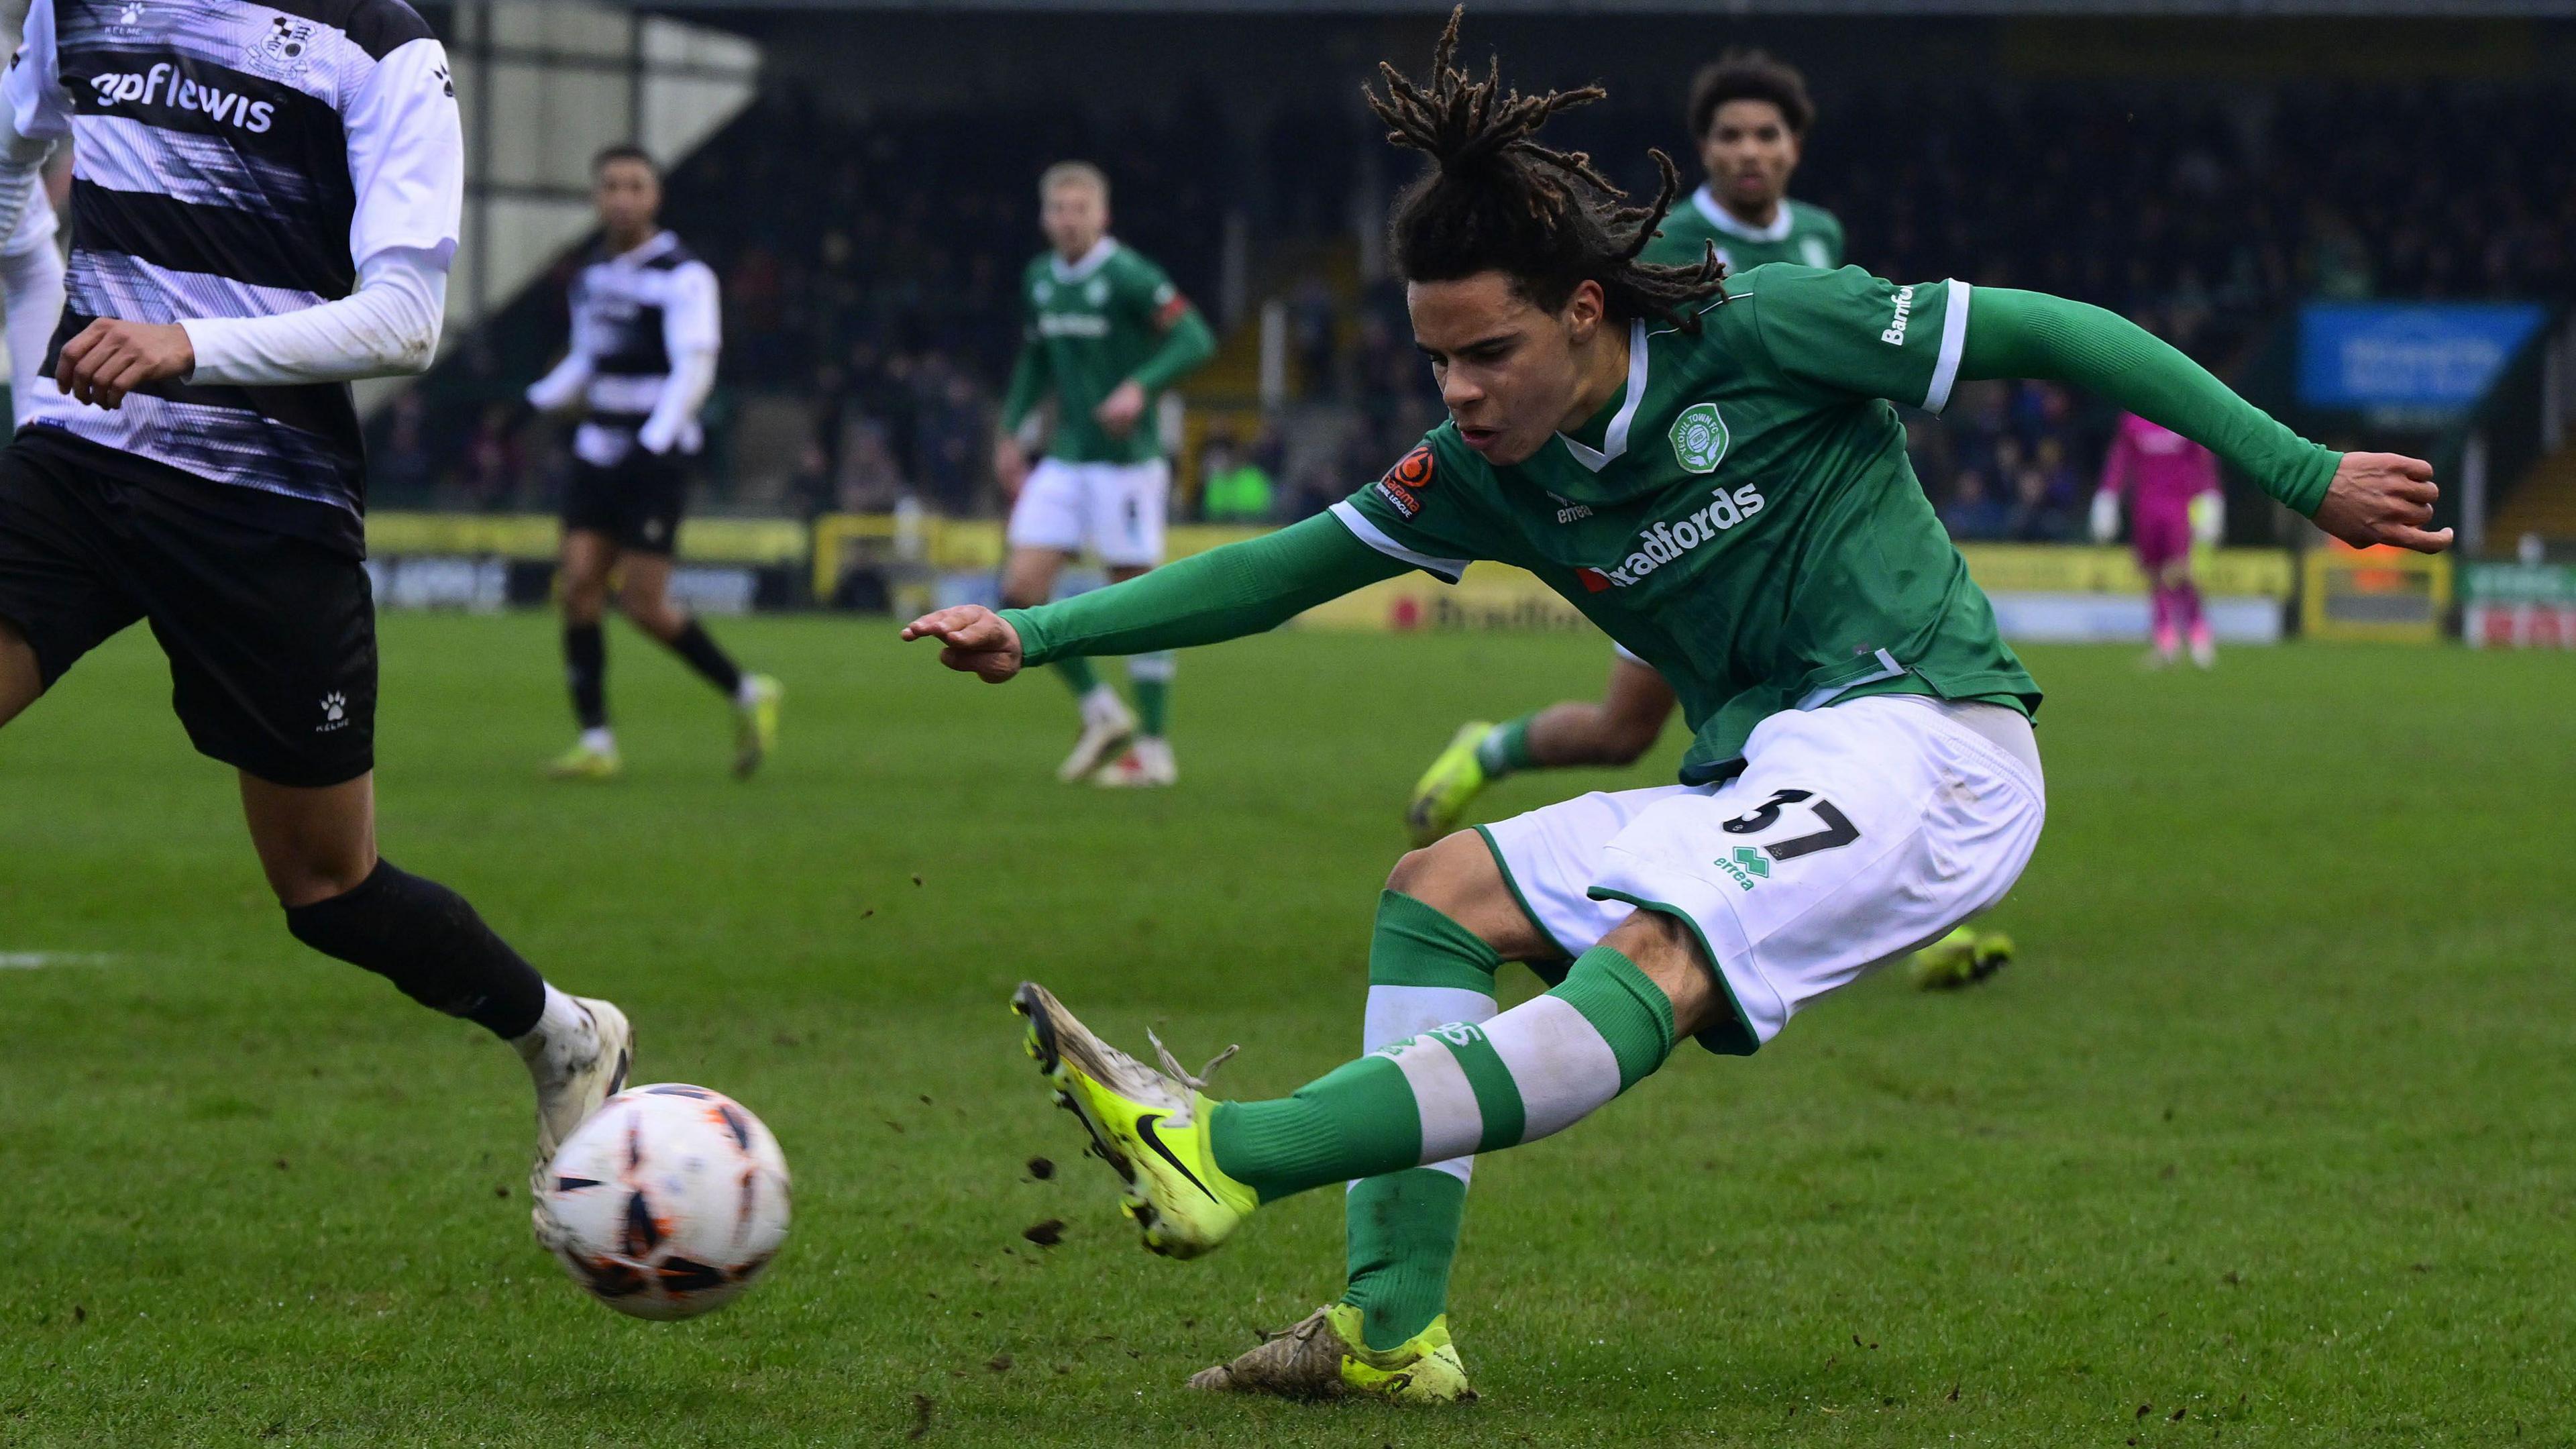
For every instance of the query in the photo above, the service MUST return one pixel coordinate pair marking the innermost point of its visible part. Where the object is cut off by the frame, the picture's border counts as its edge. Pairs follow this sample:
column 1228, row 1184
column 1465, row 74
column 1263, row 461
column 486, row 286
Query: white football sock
column 602, row 740
column 562, row 1021
column 1397, row 1012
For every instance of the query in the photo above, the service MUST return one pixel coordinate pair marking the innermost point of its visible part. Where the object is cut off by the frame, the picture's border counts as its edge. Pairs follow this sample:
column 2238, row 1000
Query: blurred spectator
column 492, row 460
column 892, row 248
column 402, row 468
column 1236, row 489
column 1972, row 514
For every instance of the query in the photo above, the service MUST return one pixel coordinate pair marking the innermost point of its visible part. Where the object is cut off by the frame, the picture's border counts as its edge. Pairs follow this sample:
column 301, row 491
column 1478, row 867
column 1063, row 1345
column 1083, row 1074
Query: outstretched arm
column 1224, row 593
column 2361, row 498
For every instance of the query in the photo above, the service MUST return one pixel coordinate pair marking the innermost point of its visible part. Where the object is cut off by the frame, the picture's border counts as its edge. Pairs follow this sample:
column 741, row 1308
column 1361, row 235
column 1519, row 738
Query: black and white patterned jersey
column 634, row 316
column 238, row 160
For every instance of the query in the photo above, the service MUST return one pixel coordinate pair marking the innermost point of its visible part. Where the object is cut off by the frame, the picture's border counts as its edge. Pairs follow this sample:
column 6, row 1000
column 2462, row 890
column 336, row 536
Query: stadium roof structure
column 2213, row 9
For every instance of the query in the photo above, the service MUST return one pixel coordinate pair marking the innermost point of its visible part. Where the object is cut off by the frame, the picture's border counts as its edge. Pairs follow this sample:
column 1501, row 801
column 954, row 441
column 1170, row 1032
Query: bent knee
column 299, row 883
column 1446, row 874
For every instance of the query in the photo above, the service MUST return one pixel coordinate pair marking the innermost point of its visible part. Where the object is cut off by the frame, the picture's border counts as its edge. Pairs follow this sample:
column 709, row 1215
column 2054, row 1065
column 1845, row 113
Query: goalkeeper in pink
column 2174, row 501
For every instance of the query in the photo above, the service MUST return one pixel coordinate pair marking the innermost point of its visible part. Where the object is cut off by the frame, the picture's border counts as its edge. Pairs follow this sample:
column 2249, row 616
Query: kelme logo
column 1699, row 438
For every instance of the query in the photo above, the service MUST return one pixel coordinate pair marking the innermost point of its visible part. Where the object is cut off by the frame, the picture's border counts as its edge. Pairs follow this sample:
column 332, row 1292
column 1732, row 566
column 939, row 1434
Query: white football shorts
column 1116, row 509
column 1856, row 833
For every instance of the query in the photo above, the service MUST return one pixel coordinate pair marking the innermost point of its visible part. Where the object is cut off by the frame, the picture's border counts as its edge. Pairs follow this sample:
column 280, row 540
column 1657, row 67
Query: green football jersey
column 1807, row 235
column 1089, row 326
column 1742, row 515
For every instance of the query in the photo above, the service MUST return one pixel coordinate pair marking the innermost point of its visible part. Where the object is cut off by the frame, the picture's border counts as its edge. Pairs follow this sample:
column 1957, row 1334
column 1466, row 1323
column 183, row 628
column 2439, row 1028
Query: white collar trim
column 1724, row 220
column 1091, row 262
column 1614, row 439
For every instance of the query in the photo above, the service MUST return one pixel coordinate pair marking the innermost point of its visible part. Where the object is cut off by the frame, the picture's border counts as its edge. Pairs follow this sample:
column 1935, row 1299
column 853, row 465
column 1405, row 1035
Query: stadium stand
column 869, row 271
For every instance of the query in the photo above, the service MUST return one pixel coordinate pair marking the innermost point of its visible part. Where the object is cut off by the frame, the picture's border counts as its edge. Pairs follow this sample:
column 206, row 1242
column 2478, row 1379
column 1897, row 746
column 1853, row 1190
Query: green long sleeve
column 1188, row 343
column 1224, row 593
column 1030, row 377
column 2030, row 334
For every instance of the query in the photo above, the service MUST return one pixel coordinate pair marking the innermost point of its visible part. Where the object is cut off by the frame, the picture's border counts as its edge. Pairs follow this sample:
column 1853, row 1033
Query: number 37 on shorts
column 1854, row 834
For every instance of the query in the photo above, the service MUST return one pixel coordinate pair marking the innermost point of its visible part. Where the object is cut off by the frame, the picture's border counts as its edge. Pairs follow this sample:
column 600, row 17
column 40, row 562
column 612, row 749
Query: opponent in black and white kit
column 645, row 332
column 31, row 279
column 264, row 205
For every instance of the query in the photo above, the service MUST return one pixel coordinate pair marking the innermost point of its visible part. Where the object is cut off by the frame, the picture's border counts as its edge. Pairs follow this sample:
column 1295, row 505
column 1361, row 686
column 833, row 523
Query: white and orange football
column 667, row 1202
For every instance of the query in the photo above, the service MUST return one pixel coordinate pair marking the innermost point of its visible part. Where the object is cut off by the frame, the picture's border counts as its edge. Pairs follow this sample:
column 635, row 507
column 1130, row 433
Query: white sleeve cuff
column 1954, row 345
column 1447, row 569
column 675, row 414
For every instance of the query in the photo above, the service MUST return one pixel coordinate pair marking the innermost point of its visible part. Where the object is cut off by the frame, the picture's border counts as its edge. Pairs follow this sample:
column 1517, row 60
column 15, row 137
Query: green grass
column 2271, row 1124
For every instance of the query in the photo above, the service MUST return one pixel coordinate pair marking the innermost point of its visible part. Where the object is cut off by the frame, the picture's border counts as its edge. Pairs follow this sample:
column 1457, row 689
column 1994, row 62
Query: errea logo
column 1894, row 336
column 1666, row 542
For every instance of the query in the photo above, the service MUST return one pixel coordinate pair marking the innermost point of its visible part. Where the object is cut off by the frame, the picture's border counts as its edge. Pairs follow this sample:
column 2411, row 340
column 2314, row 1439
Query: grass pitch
column 2265, row 1140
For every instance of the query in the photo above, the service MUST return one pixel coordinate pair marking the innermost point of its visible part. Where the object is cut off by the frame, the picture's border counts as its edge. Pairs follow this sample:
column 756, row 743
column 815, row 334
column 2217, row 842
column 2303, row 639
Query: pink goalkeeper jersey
column 2161, row 470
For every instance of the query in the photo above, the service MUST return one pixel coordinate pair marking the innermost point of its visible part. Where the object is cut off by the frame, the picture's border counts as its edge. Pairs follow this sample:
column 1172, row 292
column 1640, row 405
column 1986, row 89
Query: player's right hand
column 2382, row 498
column 978, row 641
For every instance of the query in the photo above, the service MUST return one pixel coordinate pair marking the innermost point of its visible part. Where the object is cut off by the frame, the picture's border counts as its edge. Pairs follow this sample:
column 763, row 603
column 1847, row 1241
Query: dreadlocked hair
column 1494, row 199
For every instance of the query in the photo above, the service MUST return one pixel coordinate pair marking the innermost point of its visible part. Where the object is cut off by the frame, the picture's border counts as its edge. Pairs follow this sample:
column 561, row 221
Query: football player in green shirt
column 1106, row 333
column 1750, row 115
column 1863, row 775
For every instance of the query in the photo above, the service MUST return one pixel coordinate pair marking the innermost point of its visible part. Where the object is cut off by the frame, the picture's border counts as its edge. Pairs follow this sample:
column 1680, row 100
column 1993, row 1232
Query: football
column 667, row 1202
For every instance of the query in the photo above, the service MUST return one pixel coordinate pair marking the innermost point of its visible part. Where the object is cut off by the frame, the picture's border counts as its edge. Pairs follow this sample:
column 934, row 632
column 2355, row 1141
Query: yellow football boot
column 1451, row 784
column 1324, row 1357
column 755, row 725
column 1151, row 1126
column 583, row 762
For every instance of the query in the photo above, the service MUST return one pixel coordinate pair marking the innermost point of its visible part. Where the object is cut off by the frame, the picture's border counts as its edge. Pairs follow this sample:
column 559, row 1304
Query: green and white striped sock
column 1425, row 971
column 1150, row 675
column 1532, row 1071
column 1505, row 748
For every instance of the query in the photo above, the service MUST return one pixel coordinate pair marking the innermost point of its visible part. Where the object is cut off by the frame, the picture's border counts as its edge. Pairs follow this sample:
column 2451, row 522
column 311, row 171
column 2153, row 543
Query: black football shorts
column 271, row 638
column 636, row 502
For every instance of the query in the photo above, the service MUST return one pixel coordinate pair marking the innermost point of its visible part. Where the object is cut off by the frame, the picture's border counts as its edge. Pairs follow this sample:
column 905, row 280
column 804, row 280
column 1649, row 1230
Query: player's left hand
column 112, row 357
column 978, row 641
column 1119, row 411
column 2382, row 498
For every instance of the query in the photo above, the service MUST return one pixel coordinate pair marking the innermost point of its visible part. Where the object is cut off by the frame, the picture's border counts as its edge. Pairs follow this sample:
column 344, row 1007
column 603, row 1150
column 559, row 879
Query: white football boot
column 576, row 1066
column 1148, row 763
column 1107, row 725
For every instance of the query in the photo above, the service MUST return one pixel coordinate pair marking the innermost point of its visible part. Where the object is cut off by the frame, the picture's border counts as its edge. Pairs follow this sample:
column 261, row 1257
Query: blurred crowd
column 870, row 271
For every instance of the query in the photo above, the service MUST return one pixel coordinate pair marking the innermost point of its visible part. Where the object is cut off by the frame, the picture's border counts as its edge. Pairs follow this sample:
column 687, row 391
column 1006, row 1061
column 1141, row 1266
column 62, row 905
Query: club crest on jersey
column 1405, row 483
column 1097, row 292
column 1665, row 542
column 284, row 50
column 1699, row 438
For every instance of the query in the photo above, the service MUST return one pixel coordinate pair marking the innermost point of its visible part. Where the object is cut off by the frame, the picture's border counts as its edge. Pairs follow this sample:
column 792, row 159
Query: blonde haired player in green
column 1106, row 333
column 1749, row 115
column 1863, row 774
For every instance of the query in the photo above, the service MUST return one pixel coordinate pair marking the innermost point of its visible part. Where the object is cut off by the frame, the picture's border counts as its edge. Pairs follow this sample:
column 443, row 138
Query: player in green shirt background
column 1713, row 474
column 1106, row 333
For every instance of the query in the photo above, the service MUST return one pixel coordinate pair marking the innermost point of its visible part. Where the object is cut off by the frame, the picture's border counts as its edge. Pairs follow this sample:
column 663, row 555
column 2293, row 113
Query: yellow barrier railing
column 2383, row 594
column 1492, row 594
column 538, row 536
